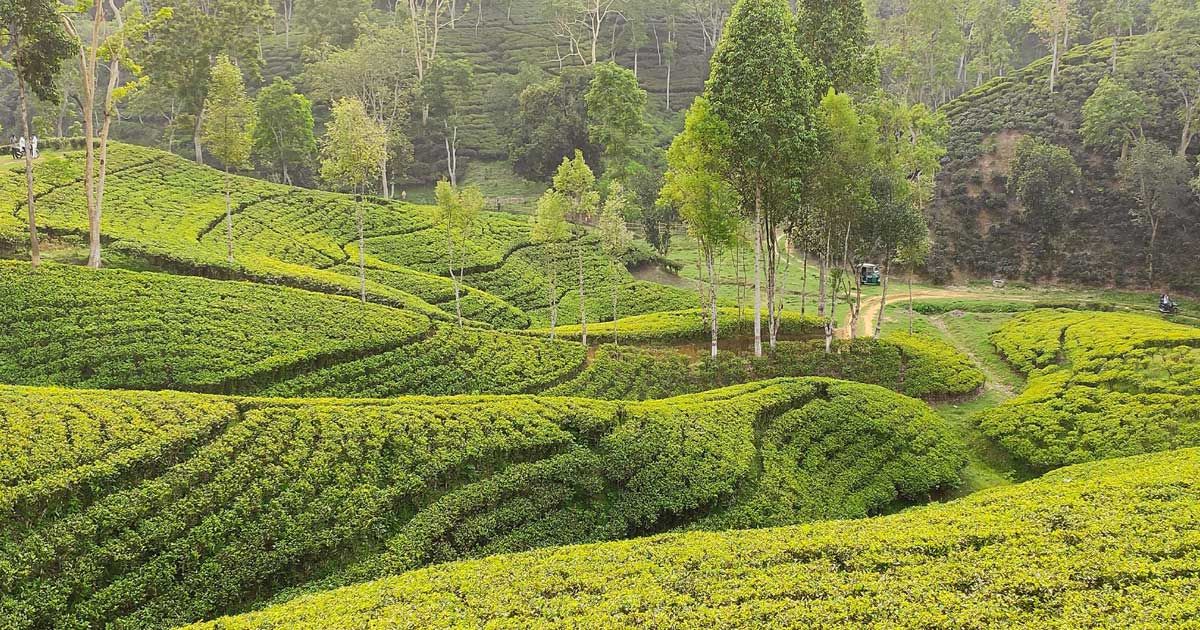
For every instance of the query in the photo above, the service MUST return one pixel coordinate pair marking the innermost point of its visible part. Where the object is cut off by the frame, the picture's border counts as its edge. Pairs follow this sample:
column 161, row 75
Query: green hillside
column 150, row 509
column 164, row 212
column 979, row 221
column 1101, row 385
column 1111, row 544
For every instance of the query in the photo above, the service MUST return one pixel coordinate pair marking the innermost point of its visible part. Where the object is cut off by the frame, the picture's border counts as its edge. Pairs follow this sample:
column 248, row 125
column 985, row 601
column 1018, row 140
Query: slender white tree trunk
column 228, row 219
column 35, row 247
column 362, row 251
column 196, row 133
column 887, row 270
column 582, row 303
column 758, row 241
column 712, row 300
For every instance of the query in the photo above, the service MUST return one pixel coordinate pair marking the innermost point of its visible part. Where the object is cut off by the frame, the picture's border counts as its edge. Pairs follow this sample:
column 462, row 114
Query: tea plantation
column 150, row 509
column 1101, row 385
column 167, row 213
column 1109, row 544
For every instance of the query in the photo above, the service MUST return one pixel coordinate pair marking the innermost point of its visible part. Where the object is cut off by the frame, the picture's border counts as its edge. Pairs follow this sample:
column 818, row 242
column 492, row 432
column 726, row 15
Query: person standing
column 21, row 147
column 33, row 147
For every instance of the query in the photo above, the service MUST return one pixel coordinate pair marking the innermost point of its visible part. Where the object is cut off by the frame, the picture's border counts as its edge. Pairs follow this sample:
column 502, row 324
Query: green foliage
column 832, row 34
column 117, row 329
column 1045, row 178
column 224, row 504
column 283, row 131
column 1106, row 544
column 35, row 45
column 616, row 107
column 692, row 326
column 228, row 116
column 1113, row 115
column 695, row 182
column 354, row 148
column 551, row 123
column 1101, row 385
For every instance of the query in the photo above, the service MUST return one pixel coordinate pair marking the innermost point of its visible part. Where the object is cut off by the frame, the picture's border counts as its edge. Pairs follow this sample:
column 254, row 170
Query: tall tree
column 1114, row 18
column 616, row 239
column 180, row 52
column 354, row 147
column 549, row 231
column 551, row 123
column 1159, row 181
column 34, row 45
column 833, row 35
column 762, row 87
column 695, row 183
column 1113, row 116
column 841, row 191
column 109, row 46
column 710, row 16
column 228, row 128
column 576, row 183
column 284, row 139
column 581, row 24
column 1045, row 179
column 616, row 107
column 447, row 87
column 1175, row 76
column 457, row 211
column 426, row 21
column 1051, row 20
column 386, row 90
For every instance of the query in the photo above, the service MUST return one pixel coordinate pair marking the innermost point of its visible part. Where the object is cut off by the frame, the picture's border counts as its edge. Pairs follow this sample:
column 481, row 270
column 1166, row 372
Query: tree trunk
column 553, row 304
column 383, row 179
column 1113, row 60
column 582, row 303
column 454, row 280
column 1185, row 138
column 772, row 251
column 616, row 295
column 758, row 241
column 1153, row 246
column 228, row 218
column 198, row 131
column 1053, row 62
column 804, row 284
column 712, row 300
column 362, row 251
column 89, row 165
column 910, row 301
column 887, row 270
column 35, row 248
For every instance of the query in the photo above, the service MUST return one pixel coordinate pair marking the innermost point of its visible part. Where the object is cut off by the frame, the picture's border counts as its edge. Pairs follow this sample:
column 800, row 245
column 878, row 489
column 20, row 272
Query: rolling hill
column 153, row 509
column 1111, row 544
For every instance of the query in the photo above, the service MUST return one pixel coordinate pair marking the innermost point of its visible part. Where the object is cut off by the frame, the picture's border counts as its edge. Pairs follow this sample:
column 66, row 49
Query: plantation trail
column 993, row 381
column 872, row 306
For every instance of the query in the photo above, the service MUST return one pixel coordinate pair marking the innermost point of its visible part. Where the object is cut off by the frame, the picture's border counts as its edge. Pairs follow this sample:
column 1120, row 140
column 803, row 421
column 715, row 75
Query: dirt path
column 872, row 306
column 992, row 381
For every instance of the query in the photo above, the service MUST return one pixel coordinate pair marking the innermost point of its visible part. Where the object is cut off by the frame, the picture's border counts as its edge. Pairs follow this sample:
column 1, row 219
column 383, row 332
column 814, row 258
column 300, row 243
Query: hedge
column 1111, row 544
column 1101, row 385
column 65, row 325
column 688, row 325
column 914, row 366
column 205, row 516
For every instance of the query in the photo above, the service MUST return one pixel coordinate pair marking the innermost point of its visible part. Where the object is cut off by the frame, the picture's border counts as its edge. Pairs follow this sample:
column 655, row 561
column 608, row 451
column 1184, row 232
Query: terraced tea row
column 1101, row 385
column 123, row 330
column 169, row 212
column 1112, row 544
column 160, row 509
column 117, row 329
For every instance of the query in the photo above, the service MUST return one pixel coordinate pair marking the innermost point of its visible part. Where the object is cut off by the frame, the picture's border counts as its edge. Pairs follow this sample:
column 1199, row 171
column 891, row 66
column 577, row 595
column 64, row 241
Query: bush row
column 1110, row 545
column 286, row 496
column 1101, row 385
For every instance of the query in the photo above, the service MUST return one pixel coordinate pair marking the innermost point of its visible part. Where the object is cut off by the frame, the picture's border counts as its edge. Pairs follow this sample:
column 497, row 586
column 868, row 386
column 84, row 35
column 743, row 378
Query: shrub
column 1110, row 544
column 1101, row 385
column 201, row 516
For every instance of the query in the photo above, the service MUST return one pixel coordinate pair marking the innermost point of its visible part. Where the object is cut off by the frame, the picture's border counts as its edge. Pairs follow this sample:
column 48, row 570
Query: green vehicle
column 868, row 275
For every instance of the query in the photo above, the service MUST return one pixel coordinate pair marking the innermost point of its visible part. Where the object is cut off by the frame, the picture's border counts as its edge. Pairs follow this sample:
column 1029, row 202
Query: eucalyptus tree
column 179, row 52
column 616, row 239
column 762, row 86
column 228, row 129
column 108, row 47
column 1114, row 116
column 354, row 147
column 447, row 87
column 34, row 46
column 695, row 184
column 457, row 211
column 576, row 184
column 284, row 137
column 833, row 35
column 549, row 231
column 1052, row 20
column 1158, row 179
column 616, row 108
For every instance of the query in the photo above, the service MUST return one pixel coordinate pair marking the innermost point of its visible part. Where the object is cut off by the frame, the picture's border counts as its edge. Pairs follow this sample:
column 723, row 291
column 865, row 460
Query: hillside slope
column 1107, row 545
column 165, row 212
column 151, row 509
column 978, row 223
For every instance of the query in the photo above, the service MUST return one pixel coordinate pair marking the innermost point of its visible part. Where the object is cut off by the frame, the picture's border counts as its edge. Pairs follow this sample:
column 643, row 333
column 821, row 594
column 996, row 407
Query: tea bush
column 1111, row 544
column 199, row 516
column 1101, row 385
column 69, row 326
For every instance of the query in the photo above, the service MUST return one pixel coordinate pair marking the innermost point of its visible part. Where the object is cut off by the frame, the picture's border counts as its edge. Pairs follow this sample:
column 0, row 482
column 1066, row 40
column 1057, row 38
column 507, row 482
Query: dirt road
column 872, row 306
